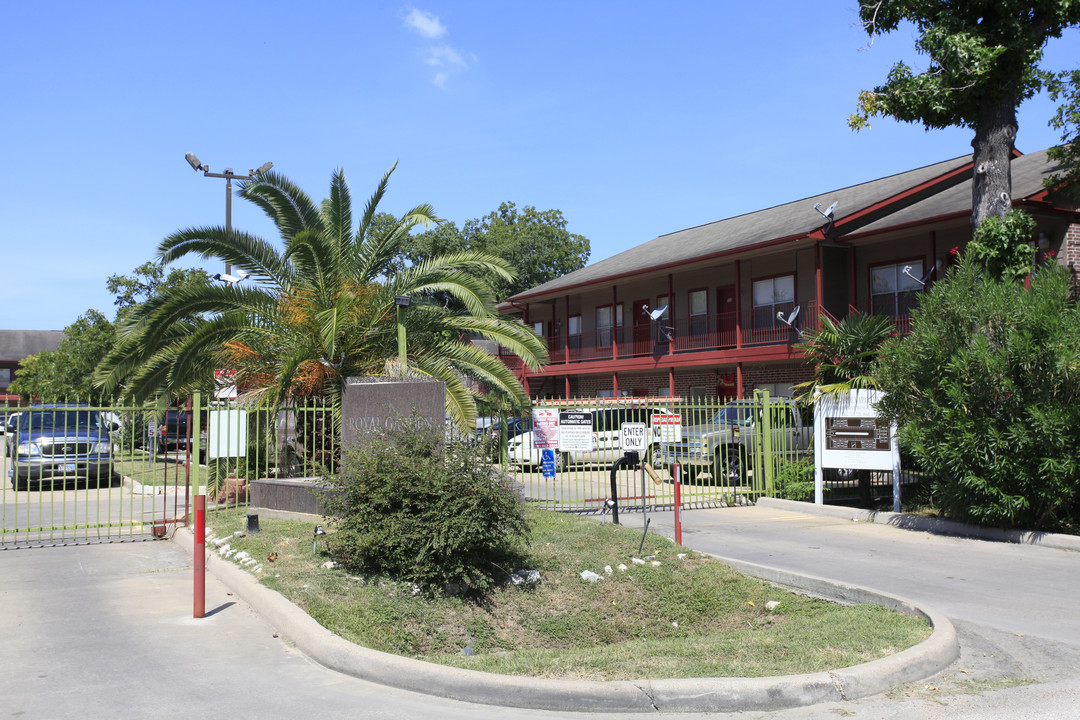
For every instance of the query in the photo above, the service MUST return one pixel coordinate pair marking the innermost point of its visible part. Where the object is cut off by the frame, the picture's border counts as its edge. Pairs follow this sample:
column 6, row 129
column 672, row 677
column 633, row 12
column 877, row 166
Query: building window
column 604, row 322
column 772, row 296
column 891, row 289
column 5, row 376
column 574, row 328
column 538, row 328
column 698, row 309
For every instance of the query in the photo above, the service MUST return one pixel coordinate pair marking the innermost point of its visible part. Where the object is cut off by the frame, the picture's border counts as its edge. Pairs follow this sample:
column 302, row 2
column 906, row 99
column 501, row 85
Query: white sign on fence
column 633, row 436
column 226, row 435
column 575, row 431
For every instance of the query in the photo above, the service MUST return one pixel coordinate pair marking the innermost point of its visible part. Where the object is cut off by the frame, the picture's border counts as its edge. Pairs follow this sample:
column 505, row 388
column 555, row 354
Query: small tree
column 986, row 390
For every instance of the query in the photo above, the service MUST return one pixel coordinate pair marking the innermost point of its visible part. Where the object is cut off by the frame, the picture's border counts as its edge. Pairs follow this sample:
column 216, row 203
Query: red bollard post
column 200, row 556
column 677, row 470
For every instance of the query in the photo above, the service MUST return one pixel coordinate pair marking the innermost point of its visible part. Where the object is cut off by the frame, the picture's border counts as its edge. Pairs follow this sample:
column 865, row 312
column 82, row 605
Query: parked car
column 606, row 443
column 49, row 441
column 173, row 431
column 723, row 445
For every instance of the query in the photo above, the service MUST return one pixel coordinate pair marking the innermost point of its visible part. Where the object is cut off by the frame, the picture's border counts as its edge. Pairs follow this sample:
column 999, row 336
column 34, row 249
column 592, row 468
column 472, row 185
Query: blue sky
column 635, row 119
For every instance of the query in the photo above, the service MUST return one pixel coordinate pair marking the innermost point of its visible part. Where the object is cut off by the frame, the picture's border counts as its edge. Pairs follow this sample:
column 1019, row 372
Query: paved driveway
column 106, row 630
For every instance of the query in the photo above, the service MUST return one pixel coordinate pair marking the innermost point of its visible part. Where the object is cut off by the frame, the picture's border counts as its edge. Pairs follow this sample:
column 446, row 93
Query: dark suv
column 47, row 441
column 174, row 430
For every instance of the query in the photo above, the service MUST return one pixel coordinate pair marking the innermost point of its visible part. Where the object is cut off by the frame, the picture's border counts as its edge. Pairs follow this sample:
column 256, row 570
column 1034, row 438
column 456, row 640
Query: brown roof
column 913, row 196
column 15, row 345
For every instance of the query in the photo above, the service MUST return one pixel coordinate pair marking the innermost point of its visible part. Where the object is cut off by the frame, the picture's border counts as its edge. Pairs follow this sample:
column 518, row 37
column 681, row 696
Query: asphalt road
column 106, row 630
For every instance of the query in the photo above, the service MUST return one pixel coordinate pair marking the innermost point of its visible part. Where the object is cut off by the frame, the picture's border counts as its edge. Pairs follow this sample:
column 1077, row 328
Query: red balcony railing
column 701, row 333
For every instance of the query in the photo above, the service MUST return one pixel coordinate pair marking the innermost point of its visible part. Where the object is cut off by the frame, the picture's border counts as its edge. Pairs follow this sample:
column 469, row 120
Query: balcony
column 703, row 333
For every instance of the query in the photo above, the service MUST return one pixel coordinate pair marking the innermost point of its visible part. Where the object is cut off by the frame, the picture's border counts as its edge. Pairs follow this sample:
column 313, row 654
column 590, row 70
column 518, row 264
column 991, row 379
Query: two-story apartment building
column 716, row 310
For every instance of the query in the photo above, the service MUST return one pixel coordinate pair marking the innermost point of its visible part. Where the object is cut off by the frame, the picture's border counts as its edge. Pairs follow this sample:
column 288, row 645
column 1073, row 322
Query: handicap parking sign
column 547, row 464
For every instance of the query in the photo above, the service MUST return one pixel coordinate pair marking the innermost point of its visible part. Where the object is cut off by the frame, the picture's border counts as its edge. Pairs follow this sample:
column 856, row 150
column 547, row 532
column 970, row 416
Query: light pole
column 228, row 175
column 402, row 302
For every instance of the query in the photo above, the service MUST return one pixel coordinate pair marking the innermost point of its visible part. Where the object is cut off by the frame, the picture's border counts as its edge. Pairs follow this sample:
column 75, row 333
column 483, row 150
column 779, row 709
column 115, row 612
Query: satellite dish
column 790, row 319
column 658, row 312
column 922, row 281
column 829, row 212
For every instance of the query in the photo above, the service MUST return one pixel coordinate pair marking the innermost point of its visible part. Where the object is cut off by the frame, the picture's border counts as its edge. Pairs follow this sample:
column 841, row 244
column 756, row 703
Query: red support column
column 738, row 310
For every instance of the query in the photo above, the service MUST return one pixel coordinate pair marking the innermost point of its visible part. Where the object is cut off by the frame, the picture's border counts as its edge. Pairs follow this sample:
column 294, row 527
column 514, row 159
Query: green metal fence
column 75, row 472
column 728, row 452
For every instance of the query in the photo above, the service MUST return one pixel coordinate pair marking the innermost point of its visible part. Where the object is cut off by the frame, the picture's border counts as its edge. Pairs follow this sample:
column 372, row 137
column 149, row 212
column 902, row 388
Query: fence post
column 200, row 557
column 677, row 473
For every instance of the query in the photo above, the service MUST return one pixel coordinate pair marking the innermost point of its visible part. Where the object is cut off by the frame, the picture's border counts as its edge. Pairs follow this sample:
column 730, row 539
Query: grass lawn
column 680, row 614
column 166, row 469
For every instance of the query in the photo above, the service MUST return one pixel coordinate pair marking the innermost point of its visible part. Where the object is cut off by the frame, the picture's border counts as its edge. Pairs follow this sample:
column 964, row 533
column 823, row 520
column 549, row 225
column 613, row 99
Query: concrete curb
column 665, row 695
column 937, row 526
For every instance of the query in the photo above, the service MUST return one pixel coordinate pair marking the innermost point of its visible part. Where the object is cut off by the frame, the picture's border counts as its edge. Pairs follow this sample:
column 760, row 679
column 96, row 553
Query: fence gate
column 75, row 473
column 729, row 453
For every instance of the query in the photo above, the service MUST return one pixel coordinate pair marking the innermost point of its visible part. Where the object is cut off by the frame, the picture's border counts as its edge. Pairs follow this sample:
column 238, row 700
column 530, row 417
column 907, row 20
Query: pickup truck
column 58, row 441
column 723, row 445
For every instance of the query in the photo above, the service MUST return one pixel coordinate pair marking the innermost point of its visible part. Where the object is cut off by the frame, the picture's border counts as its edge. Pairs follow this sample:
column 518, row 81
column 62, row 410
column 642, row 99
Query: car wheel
column 731, row 466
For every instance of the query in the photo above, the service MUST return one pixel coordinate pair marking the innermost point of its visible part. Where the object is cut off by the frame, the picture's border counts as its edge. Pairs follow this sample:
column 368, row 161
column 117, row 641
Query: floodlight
column 194, row 162
column 262, row 168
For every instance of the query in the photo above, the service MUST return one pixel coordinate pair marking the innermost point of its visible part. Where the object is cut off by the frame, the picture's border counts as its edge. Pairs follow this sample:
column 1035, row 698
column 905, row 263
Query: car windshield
column 733, row 415
column 44, row 419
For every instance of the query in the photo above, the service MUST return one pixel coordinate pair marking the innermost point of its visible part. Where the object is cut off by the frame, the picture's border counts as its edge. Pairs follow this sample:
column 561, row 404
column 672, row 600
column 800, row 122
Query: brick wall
column 767, row 374
column 1070, row 249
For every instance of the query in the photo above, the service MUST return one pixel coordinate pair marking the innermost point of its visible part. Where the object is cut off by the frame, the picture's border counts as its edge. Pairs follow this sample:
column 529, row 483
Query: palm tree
column 320, row 310
column 843, row 353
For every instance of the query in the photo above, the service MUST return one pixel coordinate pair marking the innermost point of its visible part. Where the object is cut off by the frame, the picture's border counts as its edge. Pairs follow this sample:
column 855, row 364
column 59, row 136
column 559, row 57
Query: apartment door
column 725, row 316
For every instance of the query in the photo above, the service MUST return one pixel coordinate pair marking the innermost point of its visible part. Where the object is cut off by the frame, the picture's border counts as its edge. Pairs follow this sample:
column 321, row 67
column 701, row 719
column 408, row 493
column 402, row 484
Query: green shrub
column 986, row 389
column 419, row 508
column 795, row 480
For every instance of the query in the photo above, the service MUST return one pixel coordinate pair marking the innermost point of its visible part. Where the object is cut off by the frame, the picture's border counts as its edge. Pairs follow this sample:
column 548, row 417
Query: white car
column 606, row 446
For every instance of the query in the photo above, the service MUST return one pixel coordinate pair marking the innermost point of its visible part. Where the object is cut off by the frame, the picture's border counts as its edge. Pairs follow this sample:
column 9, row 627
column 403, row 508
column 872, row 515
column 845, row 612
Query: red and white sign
column 545, row 429
column 667, row 428
column 225, row 384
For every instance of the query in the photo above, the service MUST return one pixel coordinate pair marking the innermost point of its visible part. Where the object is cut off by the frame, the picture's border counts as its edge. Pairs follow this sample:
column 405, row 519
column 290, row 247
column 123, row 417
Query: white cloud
column 444, row 55
column 445, row 60
column 425, row 24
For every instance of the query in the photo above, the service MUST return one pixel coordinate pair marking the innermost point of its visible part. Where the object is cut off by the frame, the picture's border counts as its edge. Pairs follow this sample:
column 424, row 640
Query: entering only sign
column 633, row 436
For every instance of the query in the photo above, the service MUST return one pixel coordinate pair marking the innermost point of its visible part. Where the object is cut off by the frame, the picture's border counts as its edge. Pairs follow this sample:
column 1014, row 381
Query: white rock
column 328, row 565
column 675, row 624
column 243, row 555
column 516, row 579
column 531, row 576
column 257, row 568
column 608, row 570
column 772, row 604
column 681, row 556
column 656, row 563
column 218, row 541
column 590, row 576
column 637, row 561
column 621, row 568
